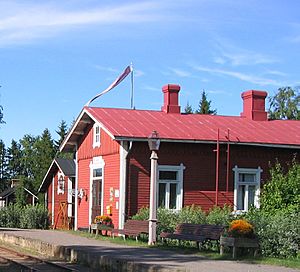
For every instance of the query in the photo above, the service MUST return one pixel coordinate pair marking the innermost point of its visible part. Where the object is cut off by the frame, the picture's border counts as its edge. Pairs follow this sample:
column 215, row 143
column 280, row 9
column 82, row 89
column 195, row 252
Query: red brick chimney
column 171, row 98
column 254, row 105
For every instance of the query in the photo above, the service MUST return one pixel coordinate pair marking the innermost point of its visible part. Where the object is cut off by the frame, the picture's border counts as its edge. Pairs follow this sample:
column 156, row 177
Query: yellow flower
column 240, row 228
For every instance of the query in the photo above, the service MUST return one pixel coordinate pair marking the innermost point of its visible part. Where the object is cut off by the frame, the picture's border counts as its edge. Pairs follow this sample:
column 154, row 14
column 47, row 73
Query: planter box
column 100, row 227
column 238, row 242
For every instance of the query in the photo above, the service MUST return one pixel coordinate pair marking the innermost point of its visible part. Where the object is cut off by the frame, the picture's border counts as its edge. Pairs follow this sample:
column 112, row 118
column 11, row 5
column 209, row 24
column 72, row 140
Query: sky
column 57, row 55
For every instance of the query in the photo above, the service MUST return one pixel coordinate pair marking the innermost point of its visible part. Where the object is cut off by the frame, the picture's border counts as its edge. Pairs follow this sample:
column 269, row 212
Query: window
column 246, row 187
column 61, row 185
column 96, row 136
column 170, row 189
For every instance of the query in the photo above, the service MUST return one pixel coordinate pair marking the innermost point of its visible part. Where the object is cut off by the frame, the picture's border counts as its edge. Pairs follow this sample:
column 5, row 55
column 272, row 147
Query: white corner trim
column 52, row 208
column 122, row 188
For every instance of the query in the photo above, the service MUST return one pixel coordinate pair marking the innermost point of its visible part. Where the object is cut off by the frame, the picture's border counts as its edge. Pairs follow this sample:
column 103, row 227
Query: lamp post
column 153, row 141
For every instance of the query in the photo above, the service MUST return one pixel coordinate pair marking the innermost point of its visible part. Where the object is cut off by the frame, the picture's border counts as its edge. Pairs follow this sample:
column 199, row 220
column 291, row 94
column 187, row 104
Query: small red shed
column 59, row 188
column 113, row 167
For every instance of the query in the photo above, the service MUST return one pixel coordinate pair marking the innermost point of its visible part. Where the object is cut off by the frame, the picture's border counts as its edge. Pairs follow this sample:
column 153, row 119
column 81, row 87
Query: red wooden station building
column 204, row 160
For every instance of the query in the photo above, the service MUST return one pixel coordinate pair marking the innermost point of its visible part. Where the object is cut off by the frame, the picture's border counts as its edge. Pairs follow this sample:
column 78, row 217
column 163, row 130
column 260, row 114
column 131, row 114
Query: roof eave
column 275, row 145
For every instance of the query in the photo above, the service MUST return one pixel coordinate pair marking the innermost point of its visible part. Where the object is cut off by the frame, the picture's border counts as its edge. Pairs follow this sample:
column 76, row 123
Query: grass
column 190, row 248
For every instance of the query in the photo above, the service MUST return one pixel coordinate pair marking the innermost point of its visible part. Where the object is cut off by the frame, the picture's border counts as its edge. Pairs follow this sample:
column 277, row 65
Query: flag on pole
column 120, row 78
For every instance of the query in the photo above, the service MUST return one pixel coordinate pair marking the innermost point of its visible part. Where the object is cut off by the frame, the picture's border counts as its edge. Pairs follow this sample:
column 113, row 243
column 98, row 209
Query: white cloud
column 106, row 69
column 180, row 72
column 138, row 73
column 236, row 56
column 219, row 92
column 151, row 88
column 21, row 23
column 241, row 76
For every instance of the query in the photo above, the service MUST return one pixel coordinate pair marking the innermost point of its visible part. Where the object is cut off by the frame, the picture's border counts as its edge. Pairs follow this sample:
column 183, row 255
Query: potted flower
column 103, row 219
column 239, row 234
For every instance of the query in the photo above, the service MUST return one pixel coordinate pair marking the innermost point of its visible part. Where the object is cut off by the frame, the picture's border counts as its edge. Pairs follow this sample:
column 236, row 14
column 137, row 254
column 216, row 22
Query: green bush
column 10, row 216
column 166, row 218
column 14, row 216
column 191, row 214
column 282, row 191
column 220, row 216
column 278, row 233
column 34, row 217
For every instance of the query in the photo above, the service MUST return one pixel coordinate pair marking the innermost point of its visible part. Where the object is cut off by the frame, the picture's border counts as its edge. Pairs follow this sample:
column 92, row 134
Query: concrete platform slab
column 113, row 257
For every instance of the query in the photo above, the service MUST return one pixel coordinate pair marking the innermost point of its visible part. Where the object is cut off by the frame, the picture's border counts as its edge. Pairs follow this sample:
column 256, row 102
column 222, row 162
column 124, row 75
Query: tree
column 188, row 108
column 14, row 154
column 62, row 132
column 3, row 166
column 285, row 104
column 204, row 105
column 27, row 159
column 44, row 152
column 1, row 115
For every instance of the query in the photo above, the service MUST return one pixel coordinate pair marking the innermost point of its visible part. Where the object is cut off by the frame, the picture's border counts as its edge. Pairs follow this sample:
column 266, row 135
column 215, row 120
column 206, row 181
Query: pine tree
column 14, row 155
column 62, row 132
column 188, row 108
column 1, row 115
column 3, row 167
column 44, row 152
column 204, row 105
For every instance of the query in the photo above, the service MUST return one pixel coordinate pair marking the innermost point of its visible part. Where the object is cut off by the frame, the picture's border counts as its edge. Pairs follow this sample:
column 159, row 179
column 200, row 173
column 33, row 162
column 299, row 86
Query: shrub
column 34, row 217
column 278, row 233
column 14, row 216
column 167, row 219
column 191, row 214
column 10, row 216
column 282, row 191
column 220, row 216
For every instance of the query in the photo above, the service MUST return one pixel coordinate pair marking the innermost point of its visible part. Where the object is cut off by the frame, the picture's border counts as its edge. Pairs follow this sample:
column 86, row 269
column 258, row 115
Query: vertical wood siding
column 84, row 183
column 199, row 175
column 49, row 202
column 109, row 150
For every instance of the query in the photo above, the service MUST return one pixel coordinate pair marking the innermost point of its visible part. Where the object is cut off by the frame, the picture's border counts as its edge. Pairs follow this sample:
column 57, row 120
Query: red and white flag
column 120, row 78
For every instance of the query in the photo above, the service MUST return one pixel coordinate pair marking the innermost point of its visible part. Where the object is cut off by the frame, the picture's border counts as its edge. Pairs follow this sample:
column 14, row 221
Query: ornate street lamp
column 153, row 141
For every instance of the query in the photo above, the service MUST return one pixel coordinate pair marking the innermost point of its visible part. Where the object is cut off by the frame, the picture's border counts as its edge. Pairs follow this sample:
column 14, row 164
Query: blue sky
column 56, row 55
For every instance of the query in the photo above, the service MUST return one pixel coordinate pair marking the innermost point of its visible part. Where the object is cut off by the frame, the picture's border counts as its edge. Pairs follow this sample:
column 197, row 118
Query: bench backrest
column 137, row 225
column 186, row 228
column 210, row 231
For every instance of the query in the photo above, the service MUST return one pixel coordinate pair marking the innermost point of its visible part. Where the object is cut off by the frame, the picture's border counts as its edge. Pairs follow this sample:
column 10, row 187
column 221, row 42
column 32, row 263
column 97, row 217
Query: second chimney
column 171, row 98
column 254, row 105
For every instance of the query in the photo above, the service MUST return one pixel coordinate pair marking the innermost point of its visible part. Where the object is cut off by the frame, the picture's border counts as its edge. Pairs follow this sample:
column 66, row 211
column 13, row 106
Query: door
column 96, row 193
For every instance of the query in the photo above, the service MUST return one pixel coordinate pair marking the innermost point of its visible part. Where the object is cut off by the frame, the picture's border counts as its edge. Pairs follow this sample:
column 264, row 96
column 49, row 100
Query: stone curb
column 93, row 260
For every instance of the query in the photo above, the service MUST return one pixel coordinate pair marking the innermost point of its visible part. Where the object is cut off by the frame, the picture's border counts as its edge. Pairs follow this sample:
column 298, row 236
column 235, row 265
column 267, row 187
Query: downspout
column 228, row 161
column 217, row 168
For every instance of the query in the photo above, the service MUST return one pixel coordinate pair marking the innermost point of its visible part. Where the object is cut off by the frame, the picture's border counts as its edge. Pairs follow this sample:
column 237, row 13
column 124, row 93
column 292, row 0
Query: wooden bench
column 133, row 228
column 198, row 233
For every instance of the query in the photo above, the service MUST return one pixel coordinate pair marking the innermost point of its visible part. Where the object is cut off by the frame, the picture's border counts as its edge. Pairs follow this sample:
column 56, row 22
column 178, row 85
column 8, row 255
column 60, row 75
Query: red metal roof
column 126, row 123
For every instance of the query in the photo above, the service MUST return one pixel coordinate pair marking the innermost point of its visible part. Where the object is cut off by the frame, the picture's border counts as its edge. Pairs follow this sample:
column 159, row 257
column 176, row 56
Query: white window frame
column 96, row 163
column 59, row 190
column 254, row 171
column 96, row 136
column 179, row 169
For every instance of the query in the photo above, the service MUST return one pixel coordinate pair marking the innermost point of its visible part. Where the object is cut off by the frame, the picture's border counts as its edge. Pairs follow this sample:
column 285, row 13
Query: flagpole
column 132, row 88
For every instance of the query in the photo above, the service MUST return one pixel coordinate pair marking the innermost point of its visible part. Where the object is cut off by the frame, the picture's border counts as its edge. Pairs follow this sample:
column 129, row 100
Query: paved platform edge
column 95, row 261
